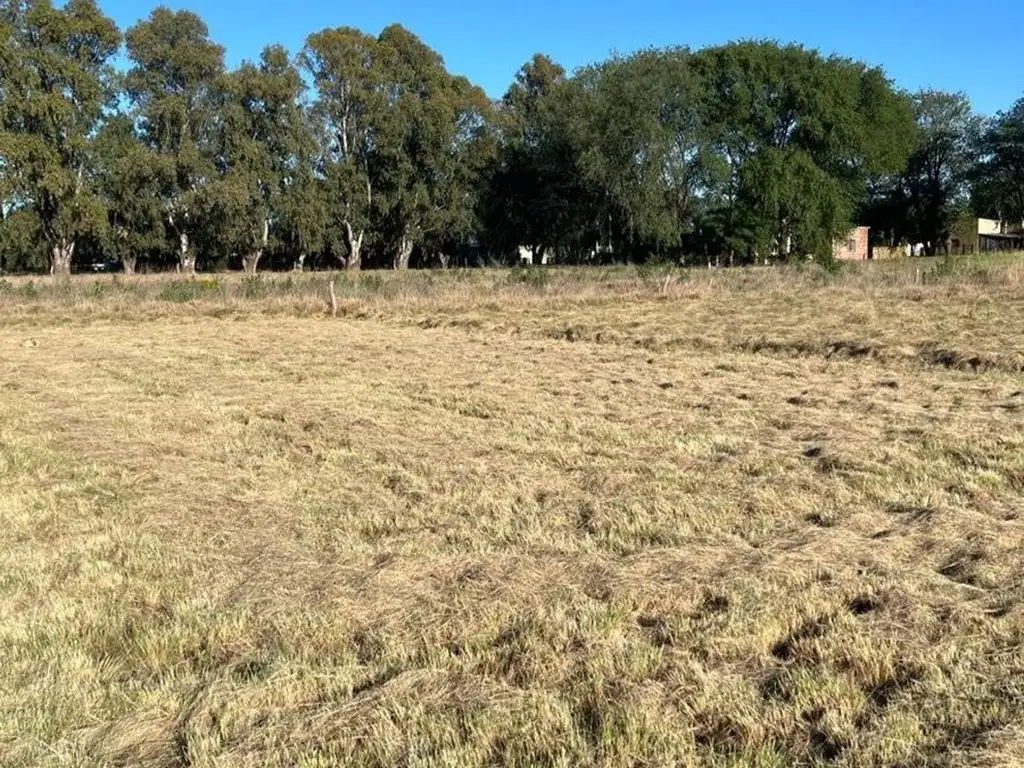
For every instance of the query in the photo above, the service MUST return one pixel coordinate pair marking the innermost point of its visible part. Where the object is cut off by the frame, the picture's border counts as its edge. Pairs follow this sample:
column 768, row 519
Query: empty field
column 524, row 518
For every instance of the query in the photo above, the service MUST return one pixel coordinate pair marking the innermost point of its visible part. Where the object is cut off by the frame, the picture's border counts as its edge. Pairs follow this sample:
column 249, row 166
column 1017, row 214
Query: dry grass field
column 527, row 518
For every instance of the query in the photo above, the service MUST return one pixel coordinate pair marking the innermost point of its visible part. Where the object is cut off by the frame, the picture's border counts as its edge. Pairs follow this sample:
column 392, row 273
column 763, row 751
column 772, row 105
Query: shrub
column 531, row 277
column 655, row 271
column 253, row 287
column 957, row 267
column 373, row 285
column 183, row 291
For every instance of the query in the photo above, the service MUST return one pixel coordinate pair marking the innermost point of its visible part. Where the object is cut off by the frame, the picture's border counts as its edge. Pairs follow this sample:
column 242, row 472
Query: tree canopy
column 366, row 151
column 56, row 83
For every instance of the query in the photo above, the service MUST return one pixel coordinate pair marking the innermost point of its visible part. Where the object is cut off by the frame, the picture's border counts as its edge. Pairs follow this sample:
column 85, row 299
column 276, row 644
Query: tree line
column 364, row 151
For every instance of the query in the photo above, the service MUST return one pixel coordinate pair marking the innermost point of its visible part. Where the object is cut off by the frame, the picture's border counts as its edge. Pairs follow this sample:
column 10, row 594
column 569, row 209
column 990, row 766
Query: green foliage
column 22, row 248
column 531, row 277
column 258, row 136
column 171, row 84
column 342, row 63
column 184, row 291
column 959, row 268
column 30, row 290
column 130, row 184
column 6, row 289
column 746, row 152
column 798, row 137
column 920, row 203
column 640, row 140
column 400, row 160
column 56, row 83
column 535, row 194
column 998, row 178
column 254, row 287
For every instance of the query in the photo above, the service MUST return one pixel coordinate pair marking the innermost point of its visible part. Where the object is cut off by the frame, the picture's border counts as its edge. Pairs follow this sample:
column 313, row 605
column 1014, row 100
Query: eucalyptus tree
column 536, row 196
column 428, row 117
column 303, row 213
column 459, row 181
column 172, row 87
column 257, row 152
column 130, row 186
column 343, row 65
column 55, row 81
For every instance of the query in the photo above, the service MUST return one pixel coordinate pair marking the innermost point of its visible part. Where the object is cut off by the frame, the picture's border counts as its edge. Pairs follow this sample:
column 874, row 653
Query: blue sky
column 928, row 43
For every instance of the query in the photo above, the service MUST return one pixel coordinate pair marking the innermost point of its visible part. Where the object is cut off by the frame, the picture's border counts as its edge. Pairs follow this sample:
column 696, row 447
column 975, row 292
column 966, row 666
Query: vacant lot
column 530, row 518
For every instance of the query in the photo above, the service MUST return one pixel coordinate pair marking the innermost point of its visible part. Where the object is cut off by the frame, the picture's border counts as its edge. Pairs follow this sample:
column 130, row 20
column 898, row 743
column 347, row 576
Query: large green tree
column 428, row 115
column 343, row 65
column 936, row 183
column 641, row 139
column 258, row 149
column 397, row 126
column 998, row 179
column 536, row 196
column 55, row 84
column 130, row 186
column 799, row 136
column 303, row 205
column 171, row 84
column 460, row 176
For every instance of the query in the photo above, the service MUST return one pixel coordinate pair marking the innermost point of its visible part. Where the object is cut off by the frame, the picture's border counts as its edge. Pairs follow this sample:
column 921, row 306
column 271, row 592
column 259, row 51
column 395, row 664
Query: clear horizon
column 488, row 44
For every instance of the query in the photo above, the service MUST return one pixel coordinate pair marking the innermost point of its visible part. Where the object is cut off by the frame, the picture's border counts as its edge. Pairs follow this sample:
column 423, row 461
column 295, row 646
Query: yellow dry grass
column 608, row 518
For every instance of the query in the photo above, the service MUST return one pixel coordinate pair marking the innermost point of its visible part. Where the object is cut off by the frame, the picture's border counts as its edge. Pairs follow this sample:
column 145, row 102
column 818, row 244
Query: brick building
column 855, row 247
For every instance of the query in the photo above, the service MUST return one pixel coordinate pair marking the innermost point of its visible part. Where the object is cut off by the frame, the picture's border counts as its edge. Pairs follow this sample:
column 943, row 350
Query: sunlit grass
column 614, row 517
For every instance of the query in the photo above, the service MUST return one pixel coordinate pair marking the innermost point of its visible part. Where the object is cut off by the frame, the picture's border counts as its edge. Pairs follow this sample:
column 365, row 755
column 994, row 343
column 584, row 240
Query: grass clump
column 254, row 287
column 185, row 291
column 532, row 277
column 30, row 290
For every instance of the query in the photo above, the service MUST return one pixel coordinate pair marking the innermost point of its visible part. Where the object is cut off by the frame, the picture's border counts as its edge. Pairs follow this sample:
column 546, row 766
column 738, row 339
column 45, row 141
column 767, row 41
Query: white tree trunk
column 186, row 256
column 354, row 243
column 300, row 263
column 251, row 261
column 61, row 255
column 128, row 263
column 404, row 253
column 445, row 259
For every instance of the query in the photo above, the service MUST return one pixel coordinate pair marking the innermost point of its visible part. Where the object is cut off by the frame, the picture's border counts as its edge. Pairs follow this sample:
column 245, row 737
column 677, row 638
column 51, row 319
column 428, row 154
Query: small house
column 856, row 246
column 976, row 235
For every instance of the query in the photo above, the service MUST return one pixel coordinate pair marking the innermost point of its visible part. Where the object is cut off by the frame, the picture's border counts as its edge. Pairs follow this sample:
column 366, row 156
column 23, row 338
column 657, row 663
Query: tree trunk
column 404, row 254
column 128, row 263
column 186, row 256
column 354, row 244
column 60, row 261
column 251, row 261
column 445, row 259
column 300, row 263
